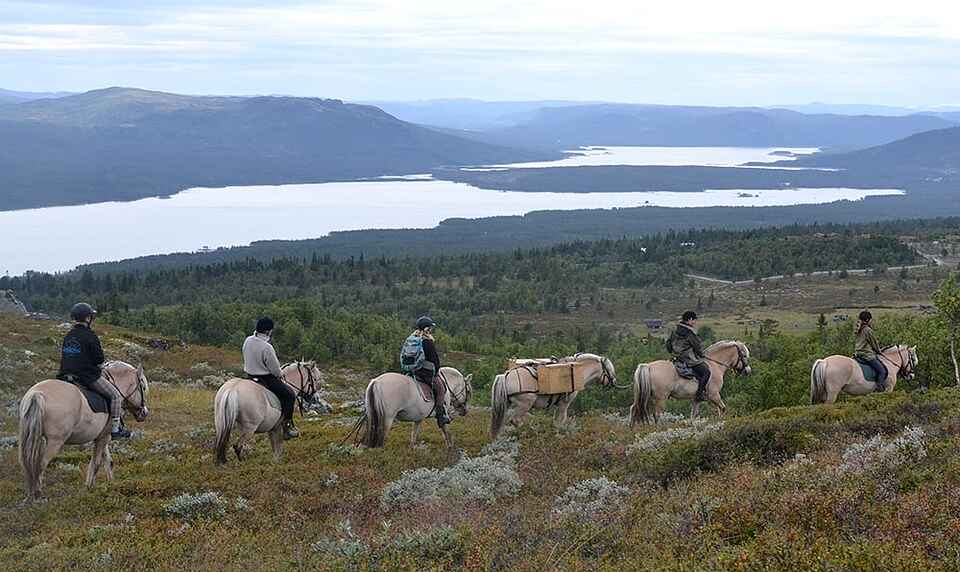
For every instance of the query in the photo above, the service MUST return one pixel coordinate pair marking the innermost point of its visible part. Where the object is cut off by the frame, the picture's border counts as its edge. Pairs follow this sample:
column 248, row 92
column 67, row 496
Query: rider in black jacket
column 81, row 359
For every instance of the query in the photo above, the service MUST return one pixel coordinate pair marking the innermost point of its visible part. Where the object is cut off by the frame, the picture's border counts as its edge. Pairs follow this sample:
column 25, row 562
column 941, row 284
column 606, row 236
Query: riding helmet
column 425, row 322
column 81, row 311
column 264, row 325
column 689, row 315
column 866, row 316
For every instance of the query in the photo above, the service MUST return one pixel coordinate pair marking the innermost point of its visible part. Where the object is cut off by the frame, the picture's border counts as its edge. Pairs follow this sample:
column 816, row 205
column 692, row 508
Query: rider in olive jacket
column 867, row 349
column 687, row 348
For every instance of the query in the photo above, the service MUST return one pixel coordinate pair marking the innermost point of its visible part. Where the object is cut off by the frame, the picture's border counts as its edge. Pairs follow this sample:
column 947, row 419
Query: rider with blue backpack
column 419, row 358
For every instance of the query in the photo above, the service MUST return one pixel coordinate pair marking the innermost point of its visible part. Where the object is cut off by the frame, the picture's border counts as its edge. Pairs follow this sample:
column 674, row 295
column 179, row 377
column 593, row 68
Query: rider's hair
column 689, row 315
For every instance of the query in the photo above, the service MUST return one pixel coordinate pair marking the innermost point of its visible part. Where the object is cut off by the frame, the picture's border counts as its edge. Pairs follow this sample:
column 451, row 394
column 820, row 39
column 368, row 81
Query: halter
column 126, row 397
column 607, row 379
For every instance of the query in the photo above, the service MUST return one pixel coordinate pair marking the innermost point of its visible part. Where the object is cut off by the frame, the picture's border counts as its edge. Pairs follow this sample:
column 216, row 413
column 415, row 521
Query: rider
column 260, row 363
column 687, row 348
column 81, row 360
column 429, row 373
column 867, row 349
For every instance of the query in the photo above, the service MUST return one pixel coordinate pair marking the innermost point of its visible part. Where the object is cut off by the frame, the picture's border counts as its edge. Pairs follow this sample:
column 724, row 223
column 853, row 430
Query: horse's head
column 732, row 354
column 132, row 384
column 742, row 367
column 607, row 374
column 307, row 379
column 909, row 366
column 460, row 400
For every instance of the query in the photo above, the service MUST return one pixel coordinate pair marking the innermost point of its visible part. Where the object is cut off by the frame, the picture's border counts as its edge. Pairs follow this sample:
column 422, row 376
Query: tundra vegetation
column 867, row 483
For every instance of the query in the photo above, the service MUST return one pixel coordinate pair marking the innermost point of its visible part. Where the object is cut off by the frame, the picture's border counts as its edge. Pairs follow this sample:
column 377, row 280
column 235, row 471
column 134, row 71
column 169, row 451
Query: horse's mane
column 722, row 345
column 301, row 362
column 579, row 356
column 116, row 363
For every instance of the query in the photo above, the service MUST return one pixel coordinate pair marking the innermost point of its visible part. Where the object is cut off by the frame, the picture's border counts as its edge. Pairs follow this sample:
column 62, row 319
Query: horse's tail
column 32, row 441
column 224, row 416
column 818, row 382
column 376, row 433
column 642, row 391
column 498, row 405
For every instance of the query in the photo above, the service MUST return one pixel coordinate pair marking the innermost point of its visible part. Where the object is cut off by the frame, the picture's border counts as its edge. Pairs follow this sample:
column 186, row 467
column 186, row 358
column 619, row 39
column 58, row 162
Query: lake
column 59, row 238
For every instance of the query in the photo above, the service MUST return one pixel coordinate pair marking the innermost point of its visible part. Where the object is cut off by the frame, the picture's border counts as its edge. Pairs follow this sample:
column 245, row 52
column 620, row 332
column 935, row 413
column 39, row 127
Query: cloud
column 510, row 48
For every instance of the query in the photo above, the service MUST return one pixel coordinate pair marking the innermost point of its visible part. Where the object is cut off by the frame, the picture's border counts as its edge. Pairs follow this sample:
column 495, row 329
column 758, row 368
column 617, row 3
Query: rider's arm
column 430, row 353
column 271, row 362
column 697, row 344
column 96, row 351
column 872, row 340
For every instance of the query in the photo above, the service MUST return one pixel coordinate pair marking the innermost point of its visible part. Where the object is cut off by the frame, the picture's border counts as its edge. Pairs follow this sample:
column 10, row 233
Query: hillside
column 930, row 154
column 122, row 144
column 869, row 483
column 659, row 125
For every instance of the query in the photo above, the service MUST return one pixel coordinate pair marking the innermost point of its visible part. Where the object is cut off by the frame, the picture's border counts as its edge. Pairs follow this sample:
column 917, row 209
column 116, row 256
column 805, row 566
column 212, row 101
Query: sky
column 714, row 53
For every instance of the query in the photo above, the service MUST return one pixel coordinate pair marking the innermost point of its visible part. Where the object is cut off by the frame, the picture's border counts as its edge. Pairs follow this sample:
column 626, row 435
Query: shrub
column 874, row 454
column 8, row 442
column 482, row 479
column 208, row 504
column 590, row 500
column 659, row 439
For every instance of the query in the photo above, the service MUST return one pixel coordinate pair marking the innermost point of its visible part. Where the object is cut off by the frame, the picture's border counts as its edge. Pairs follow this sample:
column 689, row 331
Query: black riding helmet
column 81, row 311
column 424, row 322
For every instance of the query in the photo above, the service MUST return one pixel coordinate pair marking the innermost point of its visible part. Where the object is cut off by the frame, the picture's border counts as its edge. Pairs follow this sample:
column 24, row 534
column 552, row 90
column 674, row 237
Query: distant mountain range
column 9, row 96
column 122, row 144
column 618, row 124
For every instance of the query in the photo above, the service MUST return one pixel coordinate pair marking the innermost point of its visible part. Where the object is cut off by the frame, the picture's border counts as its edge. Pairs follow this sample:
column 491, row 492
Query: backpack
column 411, row 354
column 668, row 343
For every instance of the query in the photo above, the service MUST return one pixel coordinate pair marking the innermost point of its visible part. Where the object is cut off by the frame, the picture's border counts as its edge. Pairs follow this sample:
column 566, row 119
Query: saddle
column 425, row 389
column 684, row 370
column 97, row 402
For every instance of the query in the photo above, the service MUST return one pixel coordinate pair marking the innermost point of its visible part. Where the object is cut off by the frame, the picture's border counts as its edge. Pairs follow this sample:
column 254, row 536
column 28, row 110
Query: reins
column 126, row 397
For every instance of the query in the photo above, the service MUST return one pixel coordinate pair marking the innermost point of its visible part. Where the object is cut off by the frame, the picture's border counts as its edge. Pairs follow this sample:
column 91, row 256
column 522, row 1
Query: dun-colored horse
column 511, row 403
column 655, row 382
column 54, row 413
column 252, row 408
column 835, row 374
column 395, row 396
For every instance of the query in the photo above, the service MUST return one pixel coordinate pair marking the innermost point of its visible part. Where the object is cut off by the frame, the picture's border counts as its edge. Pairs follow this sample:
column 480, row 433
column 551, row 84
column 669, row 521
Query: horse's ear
column 468, row 378
column 140, row 369
column 913, row 348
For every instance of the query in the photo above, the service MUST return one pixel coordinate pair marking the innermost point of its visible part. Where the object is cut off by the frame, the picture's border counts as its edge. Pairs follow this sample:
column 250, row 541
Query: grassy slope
column 728, row 502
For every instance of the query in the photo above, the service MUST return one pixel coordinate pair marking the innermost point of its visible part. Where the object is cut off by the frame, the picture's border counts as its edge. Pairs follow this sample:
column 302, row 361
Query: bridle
column 459, row 401
column 308, row 383
column 139, row 387
column 607, row 379
column 739, row 366
column 902, row 369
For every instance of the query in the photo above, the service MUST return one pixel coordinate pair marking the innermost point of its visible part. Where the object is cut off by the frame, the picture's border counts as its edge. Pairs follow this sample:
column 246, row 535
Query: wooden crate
column 561, row 378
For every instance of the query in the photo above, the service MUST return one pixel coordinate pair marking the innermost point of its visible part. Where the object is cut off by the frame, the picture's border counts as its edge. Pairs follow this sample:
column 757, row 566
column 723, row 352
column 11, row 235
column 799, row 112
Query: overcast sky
column 672, row 51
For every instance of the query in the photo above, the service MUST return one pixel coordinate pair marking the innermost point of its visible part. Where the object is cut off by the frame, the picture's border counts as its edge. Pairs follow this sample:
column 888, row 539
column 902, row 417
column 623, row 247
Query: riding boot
column 701, row 390
column 439, row 398
column 879, row 386
column 119, row 431
column 289, row 431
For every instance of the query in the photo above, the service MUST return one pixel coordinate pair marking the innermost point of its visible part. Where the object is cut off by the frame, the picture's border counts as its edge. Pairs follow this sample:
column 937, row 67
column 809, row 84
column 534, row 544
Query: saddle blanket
column 684, row 370
column 869, row 373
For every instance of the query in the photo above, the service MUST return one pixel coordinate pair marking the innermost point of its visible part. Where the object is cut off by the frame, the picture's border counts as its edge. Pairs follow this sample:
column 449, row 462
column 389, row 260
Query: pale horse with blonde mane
column 55, row 413
column 397, row 397
column 655, row 382
column 251, row 408
column 833, row 375
column 511, row 402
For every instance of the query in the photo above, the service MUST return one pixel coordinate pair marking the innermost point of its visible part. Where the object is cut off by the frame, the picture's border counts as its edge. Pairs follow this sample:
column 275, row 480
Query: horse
column 835, row 374
column 252, row 408
column 656, row 381
column 395, row 396
column 511, row 402
column 54, row 413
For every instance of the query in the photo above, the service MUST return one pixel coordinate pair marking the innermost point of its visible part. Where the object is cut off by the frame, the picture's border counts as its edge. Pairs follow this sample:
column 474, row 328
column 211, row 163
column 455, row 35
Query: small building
column 653, row 325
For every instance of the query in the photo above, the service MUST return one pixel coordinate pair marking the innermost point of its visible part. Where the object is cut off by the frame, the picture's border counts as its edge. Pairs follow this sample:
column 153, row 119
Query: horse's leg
column 276, row 441
column 245, row 435
column 446, row 437
column 107, row 463
column 721, row 406
column 415, row 434
column 560, row 417
column 99, row 446
column 50, row 452
column 695, row 409
column 520, row 410
column 658, row 407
